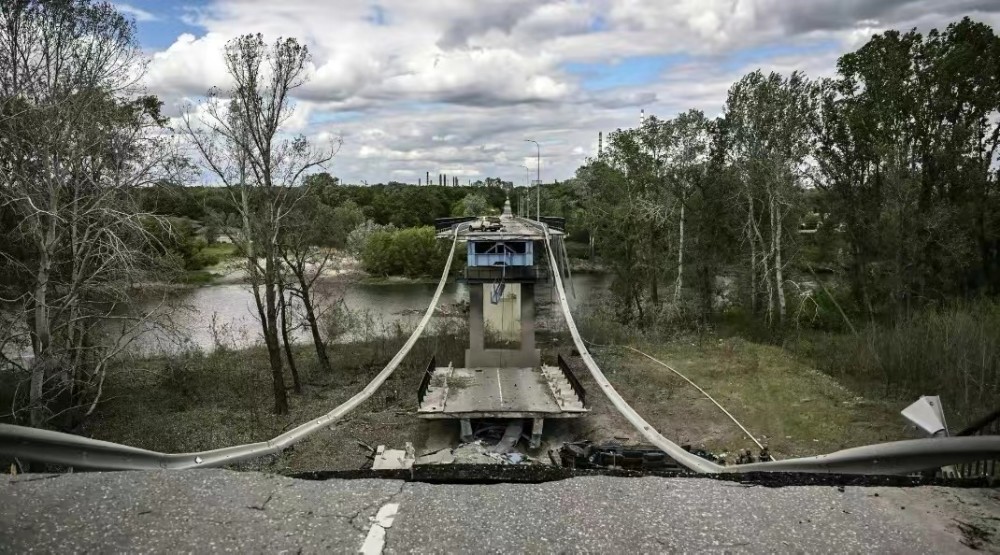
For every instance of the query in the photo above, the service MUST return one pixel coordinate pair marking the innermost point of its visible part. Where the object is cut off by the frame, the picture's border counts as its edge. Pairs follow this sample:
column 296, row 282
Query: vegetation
column 894, row 171
column 76, row 144
column 952, row 351
column 411, row 252
column 853, row 218
column 884, row 179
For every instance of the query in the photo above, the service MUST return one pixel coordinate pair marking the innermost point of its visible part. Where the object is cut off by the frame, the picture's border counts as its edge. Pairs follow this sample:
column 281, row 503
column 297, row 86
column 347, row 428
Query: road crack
column 263, row 505
column 373, row 509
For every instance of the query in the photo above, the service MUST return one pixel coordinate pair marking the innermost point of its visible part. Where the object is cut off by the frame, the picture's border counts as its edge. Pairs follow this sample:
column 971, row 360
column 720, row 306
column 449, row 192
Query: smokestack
column 600, row 143
column 428, row 180
column 419, row 182
column 642, row 117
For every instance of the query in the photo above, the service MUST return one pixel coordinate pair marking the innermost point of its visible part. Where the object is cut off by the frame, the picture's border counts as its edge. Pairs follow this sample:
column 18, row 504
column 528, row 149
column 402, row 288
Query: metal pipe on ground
column 898, row 457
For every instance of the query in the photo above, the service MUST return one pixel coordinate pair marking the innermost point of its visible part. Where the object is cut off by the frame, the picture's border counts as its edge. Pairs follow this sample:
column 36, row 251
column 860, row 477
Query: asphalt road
column 219, row 510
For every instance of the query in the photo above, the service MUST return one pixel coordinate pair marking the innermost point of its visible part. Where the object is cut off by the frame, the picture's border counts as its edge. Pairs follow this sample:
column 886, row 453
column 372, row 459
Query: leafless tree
column 239, row 137
column 76, row 141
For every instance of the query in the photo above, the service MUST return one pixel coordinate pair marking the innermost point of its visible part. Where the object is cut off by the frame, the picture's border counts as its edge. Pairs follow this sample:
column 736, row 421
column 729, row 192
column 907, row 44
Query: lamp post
column 538, row 165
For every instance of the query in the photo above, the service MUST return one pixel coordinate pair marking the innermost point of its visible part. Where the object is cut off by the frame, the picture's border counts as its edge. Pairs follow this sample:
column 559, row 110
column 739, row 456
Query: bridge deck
column 511, row 228
column 499, row 393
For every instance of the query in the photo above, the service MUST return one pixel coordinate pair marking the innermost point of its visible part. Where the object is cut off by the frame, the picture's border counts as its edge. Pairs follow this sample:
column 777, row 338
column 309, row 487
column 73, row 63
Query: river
column 226, row 313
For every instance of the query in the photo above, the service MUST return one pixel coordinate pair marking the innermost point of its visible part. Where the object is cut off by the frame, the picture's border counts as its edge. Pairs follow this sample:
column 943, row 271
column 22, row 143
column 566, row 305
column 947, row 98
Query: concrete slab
column 491, row 392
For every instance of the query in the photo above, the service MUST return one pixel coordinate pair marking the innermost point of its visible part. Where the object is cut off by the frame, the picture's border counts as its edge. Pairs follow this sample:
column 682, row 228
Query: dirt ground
column 791, row 408
column 220, row 399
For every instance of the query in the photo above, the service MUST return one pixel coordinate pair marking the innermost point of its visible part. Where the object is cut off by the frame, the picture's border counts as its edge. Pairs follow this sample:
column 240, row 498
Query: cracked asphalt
column 220, row 510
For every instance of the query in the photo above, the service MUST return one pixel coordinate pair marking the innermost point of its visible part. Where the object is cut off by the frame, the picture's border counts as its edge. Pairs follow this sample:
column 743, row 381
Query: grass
column 953, row 351
column 202, row 401
column 796, row 409
column 220, row 251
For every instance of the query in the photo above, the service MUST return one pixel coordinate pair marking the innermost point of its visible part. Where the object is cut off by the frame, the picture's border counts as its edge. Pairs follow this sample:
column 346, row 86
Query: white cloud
column 455, row 86
column 136, row 13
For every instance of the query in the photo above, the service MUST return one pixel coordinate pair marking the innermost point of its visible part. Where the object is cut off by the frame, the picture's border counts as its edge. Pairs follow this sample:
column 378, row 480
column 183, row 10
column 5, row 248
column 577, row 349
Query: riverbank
column 230, row 269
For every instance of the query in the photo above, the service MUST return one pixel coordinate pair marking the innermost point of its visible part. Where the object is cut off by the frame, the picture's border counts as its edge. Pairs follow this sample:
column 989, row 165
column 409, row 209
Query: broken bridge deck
column 490, row 392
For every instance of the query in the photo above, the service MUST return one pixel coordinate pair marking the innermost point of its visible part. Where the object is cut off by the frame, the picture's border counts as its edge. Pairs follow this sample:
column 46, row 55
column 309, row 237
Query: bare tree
column 239, row 137
column 304, row 251
column 76, row 141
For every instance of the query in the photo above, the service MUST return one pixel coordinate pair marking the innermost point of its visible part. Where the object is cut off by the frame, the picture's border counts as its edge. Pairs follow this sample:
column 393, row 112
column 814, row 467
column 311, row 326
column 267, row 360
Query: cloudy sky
column 455, row 86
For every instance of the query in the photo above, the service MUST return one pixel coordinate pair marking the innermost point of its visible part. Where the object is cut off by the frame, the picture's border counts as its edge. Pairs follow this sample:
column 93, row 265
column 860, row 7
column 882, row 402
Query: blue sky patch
column 742, row 58
column 158, row 24
column 377, row 16
column 628, row 72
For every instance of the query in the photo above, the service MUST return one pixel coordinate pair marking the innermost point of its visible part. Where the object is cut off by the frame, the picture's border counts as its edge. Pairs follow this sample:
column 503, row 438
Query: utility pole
column 538, row 165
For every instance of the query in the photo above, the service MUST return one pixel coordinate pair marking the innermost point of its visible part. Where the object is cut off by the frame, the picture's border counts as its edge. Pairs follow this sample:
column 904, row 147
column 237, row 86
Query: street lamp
column 538, row 164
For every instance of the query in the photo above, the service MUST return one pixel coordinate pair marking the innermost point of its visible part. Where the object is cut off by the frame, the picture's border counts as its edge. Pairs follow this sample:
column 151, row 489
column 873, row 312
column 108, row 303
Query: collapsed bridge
column 502, row 262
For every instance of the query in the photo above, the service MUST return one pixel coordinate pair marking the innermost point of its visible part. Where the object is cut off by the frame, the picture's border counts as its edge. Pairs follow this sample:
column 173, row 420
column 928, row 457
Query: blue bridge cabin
column 500, row 253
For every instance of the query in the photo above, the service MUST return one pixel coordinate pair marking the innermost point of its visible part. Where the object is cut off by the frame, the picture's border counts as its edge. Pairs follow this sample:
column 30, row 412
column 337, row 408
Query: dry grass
column 791, row 407
column 204, row 401
column 953, row 352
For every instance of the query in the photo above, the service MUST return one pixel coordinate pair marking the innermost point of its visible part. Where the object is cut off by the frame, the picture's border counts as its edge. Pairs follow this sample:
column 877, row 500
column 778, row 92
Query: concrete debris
column 475, row 452
column 443, row 456
column 394, row 459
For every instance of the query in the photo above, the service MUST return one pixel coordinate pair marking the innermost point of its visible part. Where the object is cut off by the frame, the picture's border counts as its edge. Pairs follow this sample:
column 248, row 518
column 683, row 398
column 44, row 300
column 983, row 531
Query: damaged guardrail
column 59, row 448
column 899, row 457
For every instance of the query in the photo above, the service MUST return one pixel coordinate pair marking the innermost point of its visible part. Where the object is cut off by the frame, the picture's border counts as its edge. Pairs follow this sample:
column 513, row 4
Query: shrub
column 952, row 351
column 411, row 252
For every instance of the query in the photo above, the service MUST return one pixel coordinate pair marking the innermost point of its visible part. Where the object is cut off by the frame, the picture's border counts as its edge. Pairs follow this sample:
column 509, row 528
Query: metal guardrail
column 899, row 457
column 988, row 425
column 574, row 382
column 425, row 381
column 441, row 224
column 71, row 450
column 554, row 222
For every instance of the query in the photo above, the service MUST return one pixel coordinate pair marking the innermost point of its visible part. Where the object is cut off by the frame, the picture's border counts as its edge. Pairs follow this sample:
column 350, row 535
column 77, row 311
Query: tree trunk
column 321, row 356
column 42, row 336
column 778, row 279
column 654, row 290
column 753, row 255
column 680, row 259
column 271, row 337
column 296, row 384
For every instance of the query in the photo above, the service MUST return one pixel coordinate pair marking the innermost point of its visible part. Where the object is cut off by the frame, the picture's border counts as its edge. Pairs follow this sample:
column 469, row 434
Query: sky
column 456, row 86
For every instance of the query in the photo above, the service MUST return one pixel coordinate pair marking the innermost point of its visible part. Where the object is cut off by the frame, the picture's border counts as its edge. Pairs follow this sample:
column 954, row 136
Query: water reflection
column 227, row 313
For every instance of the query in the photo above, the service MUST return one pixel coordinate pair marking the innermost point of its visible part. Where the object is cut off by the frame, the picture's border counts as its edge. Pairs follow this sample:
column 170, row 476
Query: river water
column 226, row 314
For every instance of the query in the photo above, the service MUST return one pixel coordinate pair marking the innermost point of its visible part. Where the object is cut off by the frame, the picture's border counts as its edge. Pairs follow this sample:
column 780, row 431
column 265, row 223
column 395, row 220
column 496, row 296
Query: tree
column 769, row 120
column 76, row 142
column 307, row 227
column 241, row 142
column 686, row 155
column 907, row 148
column 474, row 204
column 624, row 210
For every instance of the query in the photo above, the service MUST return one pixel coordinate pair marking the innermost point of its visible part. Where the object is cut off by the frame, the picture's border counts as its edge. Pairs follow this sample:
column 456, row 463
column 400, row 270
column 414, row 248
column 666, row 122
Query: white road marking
column 375, row 540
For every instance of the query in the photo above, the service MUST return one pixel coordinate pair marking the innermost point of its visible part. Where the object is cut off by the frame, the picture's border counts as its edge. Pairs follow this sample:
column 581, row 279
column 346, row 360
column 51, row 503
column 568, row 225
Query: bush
column 410, row 252
column 953, row 352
